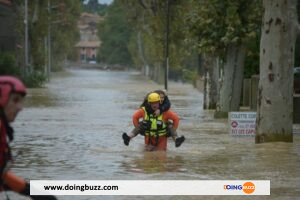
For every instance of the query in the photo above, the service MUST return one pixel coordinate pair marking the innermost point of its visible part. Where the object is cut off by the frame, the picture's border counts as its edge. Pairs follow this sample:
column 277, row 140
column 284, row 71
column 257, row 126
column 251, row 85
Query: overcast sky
column 105, row 1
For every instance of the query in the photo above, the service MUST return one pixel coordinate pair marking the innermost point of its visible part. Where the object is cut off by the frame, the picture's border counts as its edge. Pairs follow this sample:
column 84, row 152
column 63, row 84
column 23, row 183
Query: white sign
column 242, row 123
column 150, row 187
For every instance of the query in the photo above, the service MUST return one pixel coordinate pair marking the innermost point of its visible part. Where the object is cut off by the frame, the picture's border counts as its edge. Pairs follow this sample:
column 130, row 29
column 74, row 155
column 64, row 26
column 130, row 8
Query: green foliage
column 8, row 65
column 189, row 75
column 64, row 33
column 252, row 58
column 94, row 7
column 136, row 30
column 115, row 34
column 206, row 23
column 36, row 79
column 148, row 19
column 218, row 23
column 38, row 18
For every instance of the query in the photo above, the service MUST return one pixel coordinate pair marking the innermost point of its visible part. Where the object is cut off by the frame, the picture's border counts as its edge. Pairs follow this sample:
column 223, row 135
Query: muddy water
column 71, row 129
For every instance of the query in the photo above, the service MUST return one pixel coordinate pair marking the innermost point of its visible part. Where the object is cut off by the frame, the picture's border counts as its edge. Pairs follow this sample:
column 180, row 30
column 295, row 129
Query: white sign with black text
column 242, row 123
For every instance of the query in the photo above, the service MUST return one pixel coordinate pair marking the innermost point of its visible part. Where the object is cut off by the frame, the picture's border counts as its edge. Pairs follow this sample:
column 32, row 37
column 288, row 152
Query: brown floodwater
column 71, row 129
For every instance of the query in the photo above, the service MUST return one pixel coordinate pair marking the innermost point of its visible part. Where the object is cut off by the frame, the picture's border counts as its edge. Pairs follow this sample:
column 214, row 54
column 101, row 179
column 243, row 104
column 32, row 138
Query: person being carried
column 164, row 106
column 12, row 94
column 154, row 128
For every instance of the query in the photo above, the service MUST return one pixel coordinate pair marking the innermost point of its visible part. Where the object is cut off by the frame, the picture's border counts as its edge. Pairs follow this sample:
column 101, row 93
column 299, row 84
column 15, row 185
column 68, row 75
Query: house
column 89, row 43
column 88, row 50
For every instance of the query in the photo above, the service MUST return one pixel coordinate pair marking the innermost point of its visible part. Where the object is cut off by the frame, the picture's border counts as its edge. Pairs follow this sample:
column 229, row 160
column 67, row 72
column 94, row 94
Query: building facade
column 89, row 43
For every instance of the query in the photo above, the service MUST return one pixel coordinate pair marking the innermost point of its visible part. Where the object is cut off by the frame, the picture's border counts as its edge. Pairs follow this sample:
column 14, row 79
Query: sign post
column 242, row 123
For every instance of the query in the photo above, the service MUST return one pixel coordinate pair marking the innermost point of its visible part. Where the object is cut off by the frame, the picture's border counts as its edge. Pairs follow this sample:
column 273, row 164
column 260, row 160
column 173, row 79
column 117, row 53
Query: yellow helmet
column 153, row 97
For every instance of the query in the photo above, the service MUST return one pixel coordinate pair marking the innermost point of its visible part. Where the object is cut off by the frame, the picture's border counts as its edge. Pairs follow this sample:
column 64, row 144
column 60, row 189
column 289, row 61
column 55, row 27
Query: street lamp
column 26, row 37
column 167, row 45
column 49, row 41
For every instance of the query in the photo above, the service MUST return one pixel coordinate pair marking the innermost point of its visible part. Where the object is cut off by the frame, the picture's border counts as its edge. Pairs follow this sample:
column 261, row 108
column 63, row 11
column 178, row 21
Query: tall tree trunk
column 145, row 67
column 158, row 73
column 141, row 49
column 274, row 120
column 200, row 69
column 231, row 86
column 211, row 82
column 35, row 16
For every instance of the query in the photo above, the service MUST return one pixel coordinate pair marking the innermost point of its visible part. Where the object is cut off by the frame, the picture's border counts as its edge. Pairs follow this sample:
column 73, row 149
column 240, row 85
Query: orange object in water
column 150, row 143
column 14, row 182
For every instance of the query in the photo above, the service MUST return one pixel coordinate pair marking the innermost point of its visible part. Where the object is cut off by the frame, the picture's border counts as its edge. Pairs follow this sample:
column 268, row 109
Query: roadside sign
column 242, row 123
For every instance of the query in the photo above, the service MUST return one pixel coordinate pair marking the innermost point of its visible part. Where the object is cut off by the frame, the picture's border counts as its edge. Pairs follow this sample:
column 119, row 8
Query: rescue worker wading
column 12, row 93
column 164, row 106
column 154, row 127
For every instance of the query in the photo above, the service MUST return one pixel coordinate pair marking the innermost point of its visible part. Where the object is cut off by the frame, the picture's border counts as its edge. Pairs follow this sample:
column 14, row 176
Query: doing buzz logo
column 248, row 187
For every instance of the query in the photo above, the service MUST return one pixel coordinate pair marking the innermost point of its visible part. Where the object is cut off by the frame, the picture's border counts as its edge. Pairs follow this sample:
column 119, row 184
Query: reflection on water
column 71, row 129
column 154, row 162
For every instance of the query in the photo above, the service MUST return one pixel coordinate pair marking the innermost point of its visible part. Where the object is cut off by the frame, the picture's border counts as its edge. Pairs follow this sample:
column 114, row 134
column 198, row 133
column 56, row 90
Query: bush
column 8, row 65
column 36, row 79
column 189, row 76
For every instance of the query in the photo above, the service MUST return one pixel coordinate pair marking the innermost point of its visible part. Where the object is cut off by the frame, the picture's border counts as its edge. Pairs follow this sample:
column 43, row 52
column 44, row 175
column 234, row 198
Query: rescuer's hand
column 26, row 192
column 157, row 113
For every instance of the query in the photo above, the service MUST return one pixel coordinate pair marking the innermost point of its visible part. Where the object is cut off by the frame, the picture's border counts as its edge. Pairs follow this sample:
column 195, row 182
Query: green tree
column 93, row 6
column 8, row 65
column 228, row 39
column 62, row 19
column 206, row 35
column 115, row 33
column 64, row 31
column 147, row 45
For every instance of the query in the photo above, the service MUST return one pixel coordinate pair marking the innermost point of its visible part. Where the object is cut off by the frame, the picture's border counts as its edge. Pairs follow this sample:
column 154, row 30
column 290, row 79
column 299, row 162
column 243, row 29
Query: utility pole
column 167, row 46
column 49, row 41
column 26, row 39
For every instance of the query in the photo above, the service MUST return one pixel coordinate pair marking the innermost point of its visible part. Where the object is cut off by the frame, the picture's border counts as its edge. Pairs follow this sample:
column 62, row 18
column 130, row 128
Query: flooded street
column 71, row 130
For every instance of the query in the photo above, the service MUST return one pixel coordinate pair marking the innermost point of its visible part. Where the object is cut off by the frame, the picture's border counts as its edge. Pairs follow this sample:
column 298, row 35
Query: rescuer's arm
column 19, row 185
